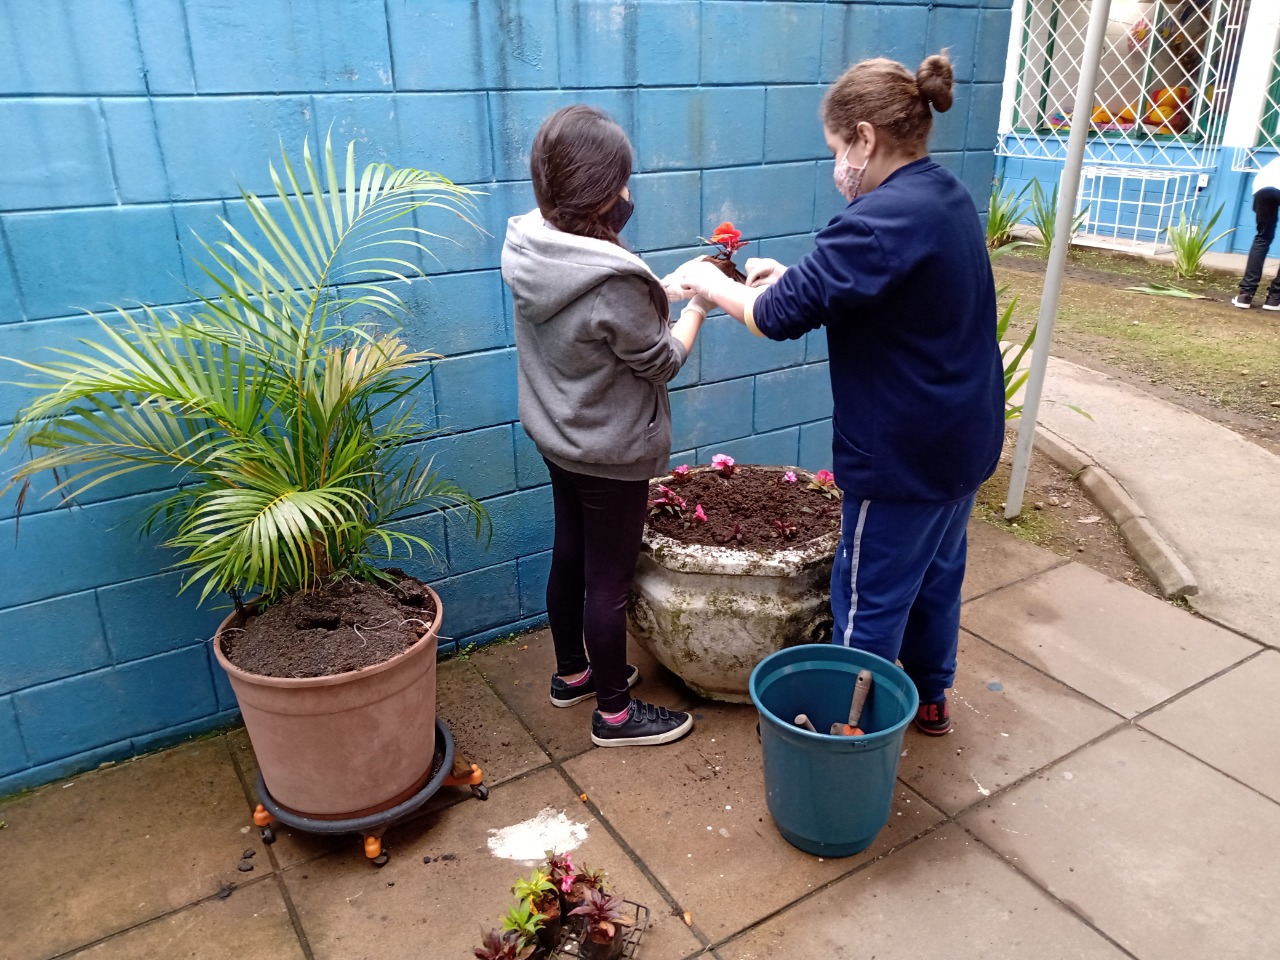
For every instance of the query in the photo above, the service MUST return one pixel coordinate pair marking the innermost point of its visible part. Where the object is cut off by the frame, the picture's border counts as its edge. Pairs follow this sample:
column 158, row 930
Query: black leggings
column 599, row 524
column 1265, row 204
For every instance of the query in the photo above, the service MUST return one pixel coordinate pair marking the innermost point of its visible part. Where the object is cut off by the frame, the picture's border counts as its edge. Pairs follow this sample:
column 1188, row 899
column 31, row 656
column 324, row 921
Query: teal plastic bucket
column 828, row 795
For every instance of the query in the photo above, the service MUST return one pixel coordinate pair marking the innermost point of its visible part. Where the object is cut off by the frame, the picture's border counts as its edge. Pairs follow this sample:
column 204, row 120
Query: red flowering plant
column 824, row 482
column 729, row 239
column 667, row 503
column 680, row 474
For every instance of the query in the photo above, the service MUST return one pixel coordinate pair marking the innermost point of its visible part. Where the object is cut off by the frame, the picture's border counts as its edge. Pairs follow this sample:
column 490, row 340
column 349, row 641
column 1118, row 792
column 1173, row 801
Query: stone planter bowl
column 709, row 614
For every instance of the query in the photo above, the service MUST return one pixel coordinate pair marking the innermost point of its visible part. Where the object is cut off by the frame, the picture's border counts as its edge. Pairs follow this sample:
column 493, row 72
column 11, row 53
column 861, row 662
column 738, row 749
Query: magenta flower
column 680, row 474
column 825, row 477
column 722, row 463
column 699, row 514
column 788, row 477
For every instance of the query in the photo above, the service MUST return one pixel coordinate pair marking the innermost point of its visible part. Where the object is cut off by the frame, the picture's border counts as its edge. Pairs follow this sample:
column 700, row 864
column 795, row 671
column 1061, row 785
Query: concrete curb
column 1154, row 554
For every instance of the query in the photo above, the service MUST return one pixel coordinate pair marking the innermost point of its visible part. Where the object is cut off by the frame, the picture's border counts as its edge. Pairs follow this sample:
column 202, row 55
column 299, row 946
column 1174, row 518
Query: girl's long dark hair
column 580, row 160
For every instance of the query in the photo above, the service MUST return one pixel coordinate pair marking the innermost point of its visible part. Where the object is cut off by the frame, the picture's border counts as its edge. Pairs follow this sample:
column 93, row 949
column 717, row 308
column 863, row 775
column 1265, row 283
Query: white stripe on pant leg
column 853, row 570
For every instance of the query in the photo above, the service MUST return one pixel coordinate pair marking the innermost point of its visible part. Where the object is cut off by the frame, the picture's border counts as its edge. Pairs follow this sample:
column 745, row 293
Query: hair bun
column 934, row 79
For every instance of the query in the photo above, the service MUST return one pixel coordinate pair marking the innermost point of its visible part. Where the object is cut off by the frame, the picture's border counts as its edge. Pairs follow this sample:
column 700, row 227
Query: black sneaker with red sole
column 934, row 719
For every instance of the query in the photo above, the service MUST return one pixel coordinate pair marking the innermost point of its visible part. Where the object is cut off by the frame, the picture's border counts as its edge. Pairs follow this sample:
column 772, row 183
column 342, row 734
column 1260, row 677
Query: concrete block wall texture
column 132, row 124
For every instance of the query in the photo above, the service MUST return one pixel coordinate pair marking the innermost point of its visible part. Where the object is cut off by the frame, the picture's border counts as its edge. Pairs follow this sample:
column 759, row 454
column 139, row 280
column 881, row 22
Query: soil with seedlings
column 343, row 626
column 754, row 509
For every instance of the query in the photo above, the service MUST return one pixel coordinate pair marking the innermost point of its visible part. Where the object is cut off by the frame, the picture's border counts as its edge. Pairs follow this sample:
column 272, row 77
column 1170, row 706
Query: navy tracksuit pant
column 895, row 585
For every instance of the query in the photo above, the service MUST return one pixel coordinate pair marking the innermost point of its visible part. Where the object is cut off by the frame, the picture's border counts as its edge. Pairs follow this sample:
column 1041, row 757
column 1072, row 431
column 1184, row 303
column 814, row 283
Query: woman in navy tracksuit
column 902, row 282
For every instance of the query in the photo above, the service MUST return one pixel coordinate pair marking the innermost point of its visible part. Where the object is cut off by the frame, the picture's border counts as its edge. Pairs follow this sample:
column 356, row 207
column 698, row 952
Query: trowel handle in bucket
column 861, row 687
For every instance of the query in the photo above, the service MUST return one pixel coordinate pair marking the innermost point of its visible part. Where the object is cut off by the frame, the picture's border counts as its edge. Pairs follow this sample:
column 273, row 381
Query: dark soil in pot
column 611, row 949
column 752, row 509
column 343, row 626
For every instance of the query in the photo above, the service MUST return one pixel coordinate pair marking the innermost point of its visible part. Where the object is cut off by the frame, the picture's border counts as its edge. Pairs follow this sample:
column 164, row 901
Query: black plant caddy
column 573, row 936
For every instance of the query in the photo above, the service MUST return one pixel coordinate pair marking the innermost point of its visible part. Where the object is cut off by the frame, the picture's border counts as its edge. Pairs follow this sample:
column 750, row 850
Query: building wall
column 131, row 124
column 1224, row 187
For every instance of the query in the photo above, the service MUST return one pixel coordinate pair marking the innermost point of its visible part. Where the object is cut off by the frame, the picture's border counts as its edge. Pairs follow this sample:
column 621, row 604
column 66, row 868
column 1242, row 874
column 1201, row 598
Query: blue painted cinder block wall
column 129, row 124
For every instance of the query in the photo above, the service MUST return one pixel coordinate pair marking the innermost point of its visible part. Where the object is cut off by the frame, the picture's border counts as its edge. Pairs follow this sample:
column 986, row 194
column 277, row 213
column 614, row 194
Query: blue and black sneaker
column 568, row 695
column 645, row 725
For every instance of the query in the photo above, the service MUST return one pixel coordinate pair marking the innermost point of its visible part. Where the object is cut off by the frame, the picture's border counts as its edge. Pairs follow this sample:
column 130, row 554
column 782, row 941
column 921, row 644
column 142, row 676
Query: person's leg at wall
column 567, row 590
column 1270, row 197
column 613, row 524
column 895, row 591
column 1266, row 202
column 933, row 627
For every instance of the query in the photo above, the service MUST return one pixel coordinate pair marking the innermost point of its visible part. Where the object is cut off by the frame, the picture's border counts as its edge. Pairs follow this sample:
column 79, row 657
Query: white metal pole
column 1081, row 117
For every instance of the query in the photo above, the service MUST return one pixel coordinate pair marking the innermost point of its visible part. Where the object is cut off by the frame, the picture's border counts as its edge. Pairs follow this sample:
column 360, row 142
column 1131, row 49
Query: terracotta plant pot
column 709, row 614
column 345, row 745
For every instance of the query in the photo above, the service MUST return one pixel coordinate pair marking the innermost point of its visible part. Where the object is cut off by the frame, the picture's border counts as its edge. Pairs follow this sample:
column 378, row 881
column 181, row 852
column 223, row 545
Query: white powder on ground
column 530, row 840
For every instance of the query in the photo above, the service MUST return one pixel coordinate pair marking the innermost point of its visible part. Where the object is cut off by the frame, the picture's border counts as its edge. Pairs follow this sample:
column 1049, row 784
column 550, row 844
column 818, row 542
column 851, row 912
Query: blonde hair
column 886, row 95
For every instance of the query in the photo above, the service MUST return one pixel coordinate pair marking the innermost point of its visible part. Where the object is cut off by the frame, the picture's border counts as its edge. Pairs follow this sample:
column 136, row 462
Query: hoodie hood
column 548, row 269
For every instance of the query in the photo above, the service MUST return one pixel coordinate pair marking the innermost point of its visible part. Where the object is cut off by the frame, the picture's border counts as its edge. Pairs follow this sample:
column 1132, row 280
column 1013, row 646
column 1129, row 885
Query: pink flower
column 566, row 882
column 699, row 514
column 680, row 473
column 723, row 464
column 788, row 477
column 825, row 477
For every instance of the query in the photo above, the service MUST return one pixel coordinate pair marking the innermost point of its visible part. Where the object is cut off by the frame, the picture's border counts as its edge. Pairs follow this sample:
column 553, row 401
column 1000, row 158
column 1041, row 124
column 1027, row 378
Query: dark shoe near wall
column 566, row 695
column 646, row 725
column 1241, row 301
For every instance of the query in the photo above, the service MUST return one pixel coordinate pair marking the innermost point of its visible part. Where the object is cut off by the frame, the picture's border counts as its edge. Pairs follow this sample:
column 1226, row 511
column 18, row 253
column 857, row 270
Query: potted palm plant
column 285, row 403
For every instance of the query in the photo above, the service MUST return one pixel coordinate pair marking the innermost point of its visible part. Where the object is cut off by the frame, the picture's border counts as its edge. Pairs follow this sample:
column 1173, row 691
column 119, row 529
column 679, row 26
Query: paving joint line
column 191, row 904
column 675, row 905
column 1064, row 904
column 277, row 871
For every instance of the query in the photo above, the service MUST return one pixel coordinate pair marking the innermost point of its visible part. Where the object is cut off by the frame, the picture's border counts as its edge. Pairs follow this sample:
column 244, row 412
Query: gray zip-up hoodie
column 595, row 354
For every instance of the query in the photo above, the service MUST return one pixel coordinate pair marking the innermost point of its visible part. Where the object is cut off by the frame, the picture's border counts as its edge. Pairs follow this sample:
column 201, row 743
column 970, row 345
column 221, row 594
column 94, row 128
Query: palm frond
column 292, row 423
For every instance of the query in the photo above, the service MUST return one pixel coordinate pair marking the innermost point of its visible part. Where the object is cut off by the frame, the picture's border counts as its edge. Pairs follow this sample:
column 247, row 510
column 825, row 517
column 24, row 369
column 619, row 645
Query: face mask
column 617, row 216
column 848, row 178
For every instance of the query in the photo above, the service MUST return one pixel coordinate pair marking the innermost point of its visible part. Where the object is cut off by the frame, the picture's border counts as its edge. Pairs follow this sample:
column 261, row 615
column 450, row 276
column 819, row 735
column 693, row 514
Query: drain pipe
column 1069, row 187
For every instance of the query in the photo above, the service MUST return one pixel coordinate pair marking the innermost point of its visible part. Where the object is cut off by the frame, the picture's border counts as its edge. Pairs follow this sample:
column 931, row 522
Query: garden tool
column 802, row 720
column 861, row 687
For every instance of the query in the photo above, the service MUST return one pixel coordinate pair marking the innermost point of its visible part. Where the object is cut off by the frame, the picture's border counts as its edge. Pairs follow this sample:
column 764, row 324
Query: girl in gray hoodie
column 596, row 350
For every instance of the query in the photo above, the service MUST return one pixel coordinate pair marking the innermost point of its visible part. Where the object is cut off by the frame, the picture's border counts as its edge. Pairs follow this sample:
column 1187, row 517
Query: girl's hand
column 763, row 271
column 671, row 287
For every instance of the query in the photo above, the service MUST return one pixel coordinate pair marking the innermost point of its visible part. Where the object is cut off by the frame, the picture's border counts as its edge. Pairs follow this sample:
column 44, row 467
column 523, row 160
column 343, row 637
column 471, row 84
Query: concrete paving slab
column 486, row 732
column 997, row 559
column 1222, row 723
column 119, row 846
column 1122, row 648
column 1008, row 720
column 945, row 895
column 409, row 910
column 521, row 675
column 483, row 729
column 695, row 813
column 1208, row 491
column 1162, row 853
column 251, row 924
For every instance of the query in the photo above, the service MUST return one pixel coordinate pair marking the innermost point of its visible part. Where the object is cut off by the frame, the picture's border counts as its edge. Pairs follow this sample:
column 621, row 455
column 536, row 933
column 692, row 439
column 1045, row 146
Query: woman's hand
column 763, row 271
column 701, row 277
